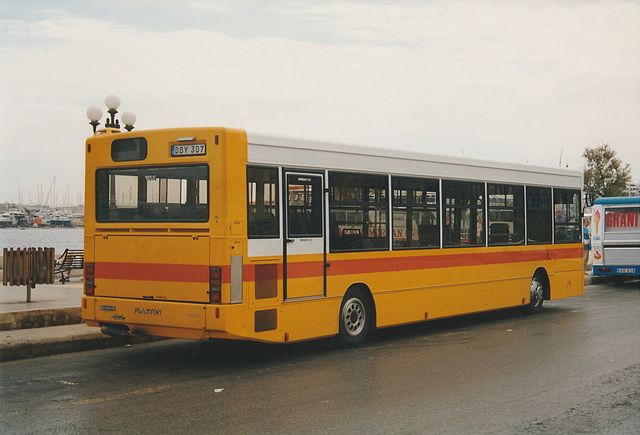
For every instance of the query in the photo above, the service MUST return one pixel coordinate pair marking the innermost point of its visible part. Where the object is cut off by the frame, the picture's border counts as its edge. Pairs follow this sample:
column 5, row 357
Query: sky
column 517, row 81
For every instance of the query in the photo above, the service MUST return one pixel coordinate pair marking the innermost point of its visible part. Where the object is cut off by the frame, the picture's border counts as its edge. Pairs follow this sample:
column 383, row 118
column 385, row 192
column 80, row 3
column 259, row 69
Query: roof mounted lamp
column 112, row 102
column 128, row 118
column 94, row 114
column 112, row 125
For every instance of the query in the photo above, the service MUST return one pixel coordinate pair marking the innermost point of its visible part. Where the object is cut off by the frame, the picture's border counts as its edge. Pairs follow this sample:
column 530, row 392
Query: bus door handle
column 290, row 240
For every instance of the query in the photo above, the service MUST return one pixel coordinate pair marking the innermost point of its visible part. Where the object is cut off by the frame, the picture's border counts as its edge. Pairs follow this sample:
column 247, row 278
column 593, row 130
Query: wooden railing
column 28, row 267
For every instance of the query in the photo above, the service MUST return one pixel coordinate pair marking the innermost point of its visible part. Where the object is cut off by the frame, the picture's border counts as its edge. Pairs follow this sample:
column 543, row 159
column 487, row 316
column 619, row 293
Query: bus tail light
column 215, row 284
column 89, row 279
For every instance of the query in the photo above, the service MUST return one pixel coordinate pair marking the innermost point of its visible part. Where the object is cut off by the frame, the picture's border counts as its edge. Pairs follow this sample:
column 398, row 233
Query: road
column 573, row 368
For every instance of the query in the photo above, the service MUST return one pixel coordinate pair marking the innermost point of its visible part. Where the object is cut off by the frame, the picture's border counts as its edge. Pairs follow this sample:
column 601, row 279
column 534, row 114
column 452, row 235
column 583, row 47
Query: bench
column 70, row 259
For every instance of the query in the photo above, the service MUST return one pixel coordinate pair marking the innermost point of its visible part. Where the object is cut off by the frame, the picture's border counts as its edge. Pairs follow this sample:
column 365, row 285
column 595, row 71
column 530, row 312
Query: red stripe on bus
column 345, row 267
column 373, row 265
column 200, row 273
column 152, row 272
column 305, row 269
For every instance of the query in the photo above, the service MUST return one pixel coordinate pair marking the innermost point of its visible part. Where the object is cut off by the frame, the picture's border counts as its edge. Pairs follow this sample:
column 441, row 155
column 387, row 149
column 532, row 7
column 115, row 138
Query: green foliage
column 604, row 173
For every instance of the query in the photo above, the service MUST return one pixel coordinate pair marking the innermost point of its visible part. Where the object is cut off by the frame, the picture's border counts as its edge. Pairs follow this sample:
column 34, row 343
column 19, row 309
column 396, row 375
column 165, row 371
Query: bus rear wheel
column 536, row 296
column 355, row 319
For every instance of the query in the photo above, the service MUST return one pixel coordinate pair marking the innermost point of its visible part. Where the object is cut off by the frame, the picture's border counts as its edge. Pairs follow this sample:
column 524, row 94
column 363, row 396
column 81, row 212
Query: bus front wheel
column 355, row 319
column 536, row 296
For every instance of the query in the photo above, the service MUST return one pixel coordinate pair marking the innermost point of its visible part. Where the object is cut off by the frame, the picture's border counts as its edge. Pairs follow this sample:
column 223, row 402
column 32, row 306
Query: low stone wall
column 40, row 318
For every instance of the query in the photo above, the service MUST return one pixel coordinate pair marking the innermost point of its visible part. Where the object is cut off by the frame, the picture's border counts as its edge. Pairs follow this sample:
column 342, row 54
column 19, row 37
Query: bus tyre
column 355, row 319
column 536, row 295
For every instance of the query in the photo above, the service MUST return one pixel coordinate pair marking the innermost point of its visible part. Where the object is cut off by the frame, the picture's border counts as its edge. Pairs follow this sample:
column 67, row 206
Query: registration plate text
column 198, row 149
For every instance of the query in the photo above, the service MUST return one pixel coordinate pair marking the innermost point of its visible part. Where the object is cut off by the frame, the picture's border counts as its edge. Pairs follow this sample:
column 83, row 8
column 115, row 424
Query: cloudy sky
column 518, row 81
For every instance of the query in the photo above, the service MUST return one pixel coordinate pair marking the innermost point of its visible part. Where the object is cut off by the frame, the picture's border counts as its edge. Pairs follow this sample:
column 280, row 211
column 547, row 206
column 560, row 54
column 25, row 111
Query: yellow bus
column 214, row 233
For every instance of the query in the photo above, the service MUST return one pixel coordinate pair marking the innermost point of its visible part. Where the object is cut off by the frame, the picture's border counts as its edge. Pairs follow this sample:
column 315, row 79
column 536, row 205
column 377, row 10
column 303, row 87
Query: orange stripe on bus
column 304, row 269
column 152, row 272
column 346, row 267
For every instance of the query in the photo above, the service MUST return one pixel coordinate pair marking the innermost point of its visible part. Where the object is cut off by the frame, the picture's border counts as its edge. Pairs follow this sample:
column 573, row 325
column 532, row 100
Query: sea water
column 58, row 238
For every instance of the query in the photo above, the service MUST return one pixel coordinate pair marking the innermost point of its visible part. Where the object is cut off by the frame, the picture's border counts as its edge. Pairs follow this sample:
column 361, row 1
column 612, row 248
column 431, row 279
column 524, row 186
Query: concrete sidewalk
column 50, row 324
column 51, row 305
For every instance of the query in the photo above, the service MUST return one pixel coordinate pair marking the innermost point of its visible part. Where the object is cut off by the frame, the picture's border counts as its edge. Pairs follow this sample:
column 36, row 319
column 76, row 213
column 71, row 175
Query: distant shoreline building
column 633, row 189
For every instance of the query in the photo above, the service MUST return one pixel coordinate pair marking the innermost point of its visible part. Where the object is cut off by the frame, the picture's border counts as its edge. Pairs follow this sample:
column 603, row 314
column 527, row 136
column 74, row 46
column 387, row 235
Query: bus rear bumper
column 617, row 270
column 172, row 319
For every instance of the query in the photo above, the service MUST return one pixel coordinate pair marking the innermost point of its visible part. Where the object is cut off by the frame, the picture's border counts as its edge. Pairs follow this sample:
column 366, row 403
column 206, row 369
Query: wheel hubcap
column 353, row 316
column 537, row 292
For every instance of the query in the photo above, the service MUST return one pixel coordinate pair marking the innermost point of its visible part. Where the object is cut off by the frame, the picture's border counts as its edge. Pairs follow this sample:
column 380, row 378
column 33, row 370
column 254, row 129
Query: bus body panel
column 421, row 285
column 305, row 275
column 313, row 318
column 133, row 312
column 169, row 268
column 295, row 153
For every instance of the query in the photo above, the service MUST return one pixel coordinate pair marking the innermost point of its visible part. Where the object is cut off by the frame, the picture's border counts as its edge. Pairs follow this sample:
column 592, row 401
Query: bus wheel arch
column 356, row 316
column 540, row 290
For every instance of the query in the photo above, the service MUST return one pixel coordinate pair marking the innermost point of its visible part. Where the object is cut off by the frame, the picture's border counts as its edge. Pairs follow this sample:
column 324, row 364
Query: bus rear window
column 134, row 148
column 153, row 194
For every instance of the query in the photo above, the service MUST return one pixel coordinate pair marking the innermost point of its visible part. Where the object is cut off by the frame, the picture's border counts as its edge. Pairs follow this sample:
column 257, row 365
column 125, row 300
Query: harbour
column 60, row 238
column 42, row 217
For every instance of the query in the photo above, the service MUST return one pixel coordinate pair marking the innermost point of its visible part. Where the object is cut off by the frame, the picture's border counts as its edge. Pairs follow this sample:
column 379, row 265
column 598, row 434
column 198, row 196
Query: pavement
column 52, row 324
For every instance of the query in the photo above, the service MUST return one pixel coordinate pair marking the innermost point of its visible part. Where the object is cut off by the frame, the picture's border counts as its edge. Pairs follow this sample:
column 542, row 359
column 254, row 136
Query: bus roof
column 313, row 155
column 618, row 200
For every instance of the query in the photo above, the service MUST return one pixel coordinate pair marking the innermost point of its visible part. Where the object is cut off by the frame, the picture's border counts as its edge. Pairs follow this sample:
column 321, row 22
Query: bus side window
column 567, row 215
column 415, row 213
column 506, row 214
column 262, row 202
column 464, row 213
column 358, row 212
column 539, row 214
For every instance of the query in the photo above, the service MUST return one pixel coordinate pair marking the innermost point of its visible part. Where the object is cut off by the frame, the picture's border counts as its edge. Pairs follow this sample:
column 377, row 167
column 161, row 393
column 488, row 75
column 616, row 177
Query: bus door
column 304, row 250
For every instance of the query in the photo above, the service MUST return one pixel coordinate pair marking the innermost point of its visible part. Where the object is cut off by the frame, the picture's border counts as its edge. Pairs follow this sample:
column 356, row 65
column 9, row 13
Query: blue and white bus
column 615, row 237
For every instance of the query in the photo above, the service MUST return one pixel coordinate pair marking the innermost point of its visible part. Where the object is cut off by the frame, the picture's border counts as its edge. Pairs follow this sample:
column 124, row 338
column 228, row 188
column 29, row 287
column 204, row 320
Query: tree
column 604, row 173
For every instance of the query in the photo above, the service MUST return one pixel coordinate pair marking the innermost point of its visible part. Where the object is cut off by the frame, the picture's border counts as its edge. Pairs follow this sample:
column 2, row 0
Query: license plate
column 622, row 270
column 197, row 149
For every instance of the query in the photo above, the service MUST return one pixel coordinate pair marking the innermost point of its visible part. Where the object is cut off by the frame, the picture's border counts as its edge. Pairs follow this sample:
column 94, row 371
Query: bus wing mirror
column 588, row 199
